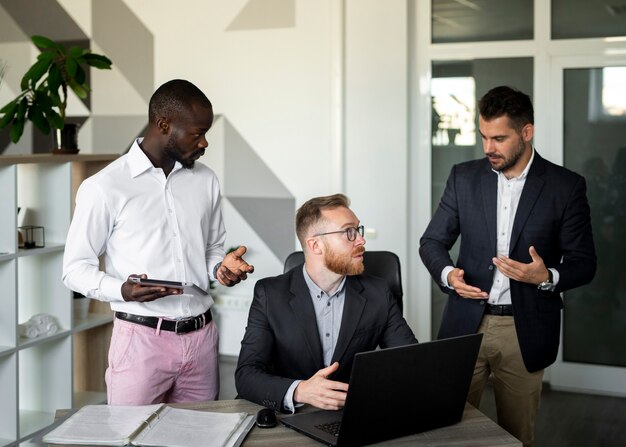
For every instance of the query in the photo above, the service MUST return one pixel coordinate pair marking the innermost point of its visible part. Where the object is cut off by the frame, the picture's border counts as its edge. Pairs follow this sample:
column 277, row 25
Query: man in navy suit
column 305, row 326
column 525, row 233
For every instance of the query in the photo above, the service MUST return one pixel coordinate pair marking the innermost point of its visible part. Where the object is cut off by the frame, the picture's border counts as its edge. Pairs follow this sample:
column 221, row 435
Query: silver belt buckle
column 184, row 320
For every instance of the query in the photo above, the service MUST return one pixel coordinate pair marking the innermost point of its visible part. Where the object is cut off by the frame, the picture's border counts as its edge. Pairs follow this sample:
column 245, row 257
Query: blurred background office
column 372, row 98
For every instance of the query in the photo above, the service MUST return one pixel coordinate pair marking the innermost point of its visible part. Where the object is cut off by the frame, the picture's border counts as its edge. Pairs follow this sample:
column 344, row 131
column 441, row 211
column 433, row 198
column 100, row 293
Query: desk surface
column 475, row 429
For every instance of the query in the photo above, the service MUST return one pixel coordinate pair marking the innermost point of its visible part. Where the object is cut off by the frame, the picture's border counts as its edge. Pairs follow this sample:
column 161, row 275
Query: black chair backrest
column 383, row 264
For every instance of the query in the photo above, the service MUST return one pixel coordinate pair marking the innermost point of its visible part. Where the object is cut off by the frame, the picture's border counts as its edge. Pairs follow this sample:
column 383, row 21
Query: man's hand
column 533, row 273
column 131, row 291
column 234, row 269
column 457, row 282
column 321, row 392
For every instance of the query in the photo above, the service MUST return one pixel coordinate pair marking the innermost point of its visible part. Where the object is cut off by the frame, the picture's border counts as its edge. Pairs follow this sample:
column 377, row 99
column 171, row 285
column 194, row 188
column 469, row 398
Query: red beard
column 345, row 264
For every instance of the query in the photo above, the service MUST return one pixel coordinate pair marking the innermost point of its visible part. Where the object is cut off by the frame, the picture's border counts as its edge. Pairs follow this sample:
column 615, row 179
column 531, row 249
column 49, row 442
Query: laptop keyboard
column 330, row 427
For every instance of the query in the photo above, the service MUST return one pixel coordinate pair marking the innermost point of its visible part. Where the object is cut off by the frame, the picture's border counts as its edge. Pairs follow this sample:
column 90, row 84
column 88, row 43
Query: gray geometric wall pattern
column 248, row 183
column 265, row 14
column 251, row 187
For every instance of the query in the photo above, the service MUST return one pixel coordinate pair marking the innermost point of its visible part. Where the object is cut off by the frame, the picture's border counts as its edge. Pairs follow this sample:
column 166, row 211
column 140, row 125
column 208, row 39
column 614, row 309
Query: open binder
column 151, row 425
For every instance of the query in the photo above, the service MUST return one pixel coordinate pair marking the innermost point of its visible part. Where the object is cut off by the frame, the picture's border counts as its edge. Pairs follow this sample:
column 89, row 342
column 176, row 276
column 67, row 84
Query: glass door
column 588, row 134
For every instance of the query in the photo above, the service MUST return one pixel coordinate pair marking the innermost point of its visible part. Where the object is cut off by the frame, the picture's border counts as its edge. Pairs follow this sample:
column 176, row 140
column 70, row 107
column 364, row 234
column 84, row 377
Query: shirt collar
column 314, row 289
column 138, row 161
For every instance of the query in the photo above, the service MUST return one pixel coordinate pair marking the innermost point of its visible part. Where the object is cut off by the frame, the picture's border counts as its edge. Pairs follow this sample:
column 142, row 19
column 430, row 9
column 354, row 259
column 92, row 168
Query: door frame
column 570, row 376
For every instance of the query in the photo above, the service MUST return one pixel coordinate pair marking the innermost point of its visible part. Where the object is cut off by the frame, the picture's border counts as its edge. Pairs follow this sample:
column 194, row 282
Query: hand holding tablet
column 142, row 289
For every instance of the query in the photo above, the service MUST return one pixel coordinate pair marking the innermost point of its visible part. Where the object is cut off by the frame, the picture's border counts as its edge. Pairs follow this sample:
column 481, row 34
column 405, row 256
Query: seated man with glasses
column 306, row 325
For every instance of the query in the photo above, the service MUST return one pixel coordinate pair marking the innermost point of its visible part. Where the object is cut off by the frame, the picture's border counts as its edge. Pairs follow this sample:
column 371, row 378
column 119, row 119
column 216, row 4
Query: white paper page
column 101, row 425
column 190, row 428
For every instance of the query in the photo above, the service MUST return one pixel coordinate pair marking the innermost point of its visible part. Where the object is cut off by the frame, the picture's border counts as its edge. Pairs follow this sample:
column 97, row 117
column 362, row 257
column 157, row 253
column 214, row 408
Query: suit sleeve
column 441, row 233
column 578, row 265
column 397, row 331
column 253, row 378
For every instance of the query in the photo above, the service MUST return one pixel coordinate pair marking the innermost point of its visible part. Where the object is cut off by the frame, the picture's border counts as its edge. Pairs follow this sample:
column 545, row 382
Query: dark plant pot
column 66, row 140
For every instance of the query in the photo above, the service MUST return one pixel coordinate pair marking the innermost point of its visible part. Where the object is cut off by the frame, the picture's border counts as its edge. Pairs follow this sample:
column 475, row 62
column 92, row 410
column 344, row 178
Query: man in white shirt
column 526, row 236
column 155, row 213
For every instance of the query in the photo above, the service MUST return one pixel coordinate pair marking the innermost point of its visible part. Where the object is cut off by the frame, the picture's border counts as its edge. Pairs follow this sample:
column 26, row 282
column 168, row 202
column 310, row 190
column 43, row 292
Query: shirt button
column 327, row 334
column 328, row 303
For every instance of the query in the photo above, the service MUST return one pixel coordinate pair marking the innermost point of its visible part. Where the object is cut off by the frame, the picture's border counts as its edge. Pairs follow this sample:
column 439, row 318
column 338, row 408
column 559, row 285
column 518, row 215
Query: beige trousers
column 517, row 392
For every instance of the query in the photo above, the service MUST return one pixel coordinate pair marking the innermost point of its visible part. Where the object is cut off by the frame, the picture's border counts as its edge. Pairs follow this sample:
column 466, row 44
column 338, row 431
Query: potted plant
column 43, row 99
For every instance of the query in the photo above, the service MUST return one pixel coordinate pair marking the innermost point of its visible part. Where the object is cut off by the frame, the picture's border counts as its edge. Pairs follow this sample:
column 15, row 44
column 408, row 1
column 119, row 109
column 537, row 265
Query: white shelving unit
column 65, row 369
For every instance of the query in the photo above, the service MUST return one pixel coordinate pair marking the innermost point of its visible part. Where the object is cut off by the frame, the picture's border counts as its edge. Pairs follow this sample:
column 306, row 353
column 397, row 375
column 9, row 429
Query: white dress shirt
column 509, row 194
column 141, row 221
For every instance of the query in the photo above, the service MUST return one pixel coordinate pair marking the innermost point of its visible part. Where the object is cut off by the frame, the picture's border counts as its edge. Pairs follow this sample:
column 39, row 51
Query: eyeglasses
column 351, row 232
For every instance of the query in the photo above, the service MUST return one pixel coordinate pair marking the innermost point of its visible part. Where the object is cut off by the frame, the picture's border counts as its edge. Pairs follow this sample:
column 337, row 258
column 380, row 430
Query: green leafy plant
column 43, row 99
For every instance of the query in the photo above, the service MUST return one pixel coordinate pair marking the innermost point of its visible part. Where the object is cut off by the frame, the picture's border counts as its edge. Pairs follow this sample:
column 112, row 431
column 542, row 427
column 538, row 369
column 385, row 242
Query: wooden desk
column 475, row 429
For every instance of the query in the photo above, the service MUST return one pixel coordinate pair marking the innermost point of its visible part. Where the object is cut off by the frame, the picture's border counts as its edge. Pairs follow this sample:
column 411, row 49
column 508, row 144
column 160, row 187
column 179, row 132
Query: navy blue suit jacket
column 553, row 216
column 282, row 342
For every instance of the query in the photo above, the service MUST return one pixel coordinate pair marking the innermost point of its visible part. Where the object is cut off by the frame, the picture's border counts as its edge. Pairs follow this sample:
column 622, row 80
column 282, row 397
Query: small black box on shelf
column 32, row 236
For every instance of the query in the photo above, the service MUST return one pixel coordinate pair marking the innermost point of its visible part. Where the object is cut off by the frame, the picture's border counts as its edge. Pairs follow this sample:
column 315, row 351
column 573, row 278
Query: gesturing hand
column 321, row 392
column 233, row 268
column 533, row 273
column 457, row 282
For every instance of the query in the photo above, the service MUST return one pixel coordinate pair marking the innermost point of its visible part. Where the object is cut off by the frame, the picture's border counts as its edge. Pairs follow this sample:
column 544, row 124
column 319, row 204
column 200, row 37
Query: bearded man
column 156, row 213
column 525, row 230
column 305, row 326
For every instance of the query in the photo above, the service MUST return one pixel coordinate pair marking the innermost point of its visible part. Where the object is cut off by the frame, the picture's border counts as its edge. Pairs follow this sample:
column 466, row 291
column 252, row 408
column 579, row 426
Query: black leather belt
column 499, row 309
column 179, row 326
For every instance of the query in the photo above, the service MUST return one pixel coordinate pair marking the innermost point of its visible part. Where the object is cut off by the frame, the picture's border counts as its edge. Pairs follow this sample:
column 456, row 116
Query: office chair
column 383, row 264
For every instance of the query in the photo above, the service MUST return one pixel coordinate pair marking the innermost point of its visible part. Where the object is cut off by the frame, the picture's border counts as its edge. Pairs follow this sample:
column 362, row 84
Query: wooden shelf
column 93, row 320
column 38, row 375
column 52, row 158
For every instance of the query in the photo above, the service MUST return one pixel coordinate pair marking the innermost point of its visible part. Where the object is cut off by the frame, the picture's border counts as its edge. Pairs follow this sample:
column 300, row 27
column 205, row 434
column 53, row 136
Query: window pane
column 481, row 20
column 594, row 324
column 583, row 18
column 455, row 89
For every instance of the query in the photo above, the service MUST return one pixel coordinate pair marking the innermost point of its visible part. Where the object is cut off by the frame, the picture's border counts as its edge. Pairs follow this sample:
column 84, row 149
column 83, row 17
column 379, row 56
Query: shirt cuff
column 555, row 276
column 444, row 276
column 111, row 289
column 288, row 402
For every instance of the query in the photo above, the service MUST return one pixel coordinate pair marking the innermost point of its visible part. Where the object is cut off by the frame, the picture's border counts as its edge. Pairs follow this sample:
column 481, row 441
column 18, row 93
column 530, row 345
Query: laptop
column 397, row 392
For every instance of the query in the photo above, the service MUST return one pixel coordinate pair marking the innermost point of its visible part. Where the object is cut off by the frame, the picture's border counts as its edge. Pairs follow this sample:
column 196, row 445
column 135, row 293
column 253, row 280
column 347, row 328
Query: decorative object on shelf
column 3, row 70
column 81, row 306
column 43, row 99
column 31, row 236
column 39, row 325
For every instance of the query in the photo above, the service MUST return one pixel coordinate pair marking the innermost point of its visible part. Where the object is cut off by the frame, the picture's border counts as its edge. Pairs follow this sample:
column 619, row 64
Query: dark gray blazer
column 553, row 215
column 282, row 343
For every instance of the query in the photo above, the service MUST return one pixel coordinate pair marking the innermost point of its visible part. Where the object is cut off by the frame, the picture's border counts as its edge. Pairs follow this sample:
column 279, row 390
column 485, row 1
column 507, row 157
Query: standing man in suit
column 525, row 237
column 306, row 325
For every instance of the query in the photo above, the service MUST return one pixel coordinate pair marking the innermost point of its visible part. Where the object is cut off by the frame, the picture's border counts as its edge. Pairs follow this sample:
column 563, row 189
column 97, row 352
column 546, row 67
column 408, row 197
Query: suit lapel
column 353, row 307
column 489, row 189
column 532, row 188
column 304, row 311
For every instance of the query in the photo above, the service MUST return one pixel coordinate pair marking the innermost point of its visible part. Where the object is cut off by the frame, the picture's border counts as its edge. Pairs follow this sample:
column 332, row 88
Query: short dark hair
column 310, row 213
column 507, row 101
column 173, row 98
